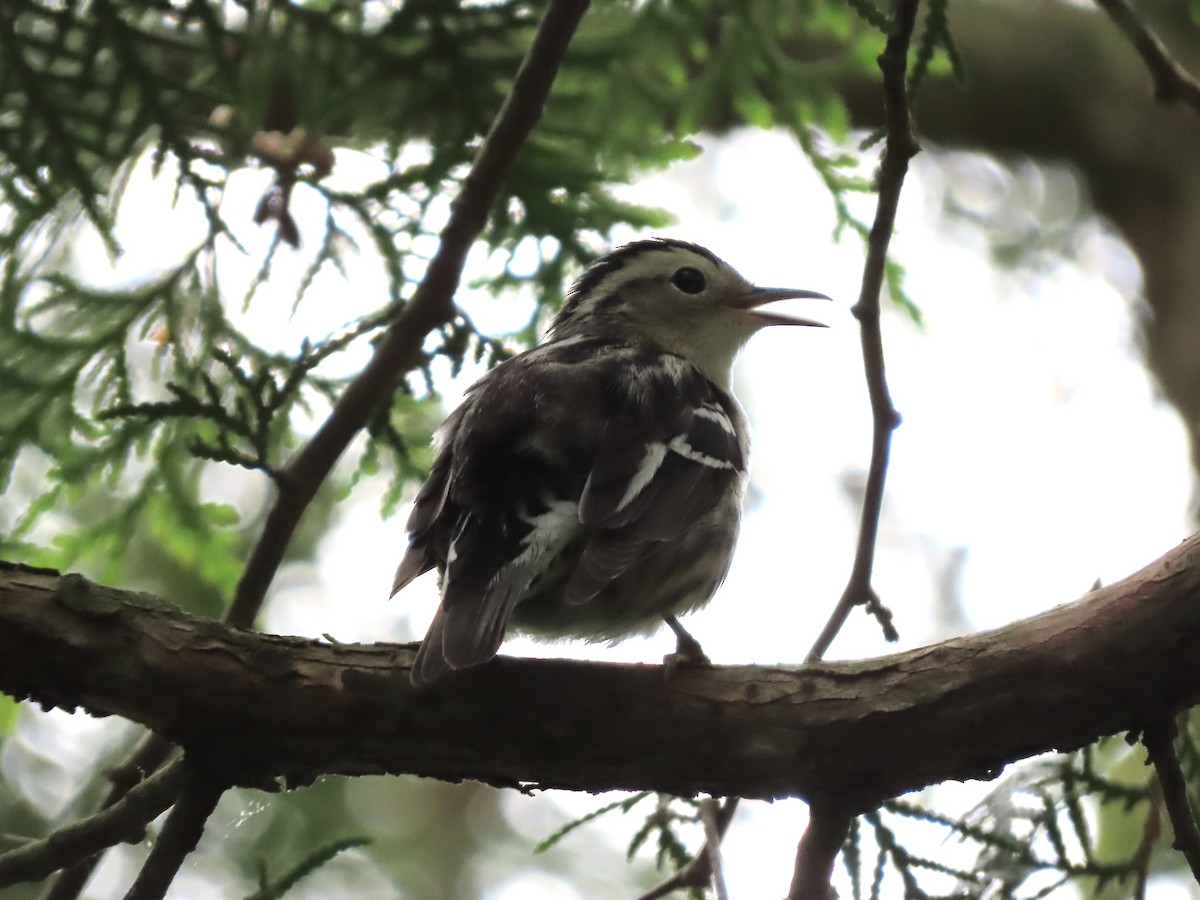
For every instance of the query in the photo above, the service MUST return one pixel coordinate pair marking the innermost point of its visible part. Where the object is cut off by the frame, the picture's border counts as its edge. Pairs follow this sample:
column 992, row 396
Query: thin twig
column 818, row 851
column 1172, row 82
column 1151, row 831
column 179, row 836
column 146, row 759
column 829, row 823
column 710, row 812
column 122, row 822
column 431, row 305
column 900, row 147
column 400, row 347
column 699, row 872
column 1159, row 740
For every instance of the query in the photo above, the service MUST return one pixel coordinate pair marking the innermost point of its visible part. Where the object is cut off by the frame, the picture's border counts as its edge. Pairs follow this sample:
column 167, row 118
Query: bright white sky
column 1033, row 442
column 1033, row 438
column 1034, row 448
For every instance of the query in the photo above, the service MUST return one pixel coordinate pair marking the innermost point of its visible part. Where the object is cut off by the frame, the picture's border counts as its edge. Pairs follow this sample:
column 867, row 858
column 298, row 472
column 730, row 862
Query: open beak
column 753, row 302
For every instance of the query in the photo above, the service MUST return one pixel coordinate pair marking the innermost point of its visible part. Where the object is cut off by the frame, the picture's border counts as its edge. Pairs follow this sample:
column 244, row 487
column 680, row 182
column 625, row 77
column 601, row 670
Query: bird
column 591, row 487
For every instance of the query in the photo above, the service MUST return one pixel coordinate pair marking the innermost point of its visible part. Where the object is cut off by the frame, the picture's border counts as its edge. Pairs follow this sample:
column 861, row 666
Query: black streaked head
column 675, row 294
column 598, row 273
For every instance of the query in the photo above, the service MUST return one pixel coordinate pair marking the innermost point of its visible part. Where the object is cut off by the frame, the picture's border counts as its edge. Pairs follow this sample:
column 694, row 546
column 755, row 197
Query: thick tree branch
column 259, row 706
column 1172, row 82
column 900, row 146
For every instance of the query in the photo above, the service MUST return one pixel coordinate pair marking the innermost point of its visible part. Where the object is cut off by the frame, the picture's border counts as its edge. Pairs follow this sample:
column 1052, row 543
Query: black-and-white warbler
column 592, row 487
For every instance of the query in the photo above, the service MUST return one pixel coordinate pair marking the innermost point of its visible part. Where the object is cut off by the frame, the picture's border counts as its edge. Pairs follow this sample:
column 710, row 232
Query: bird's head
column 677, row 295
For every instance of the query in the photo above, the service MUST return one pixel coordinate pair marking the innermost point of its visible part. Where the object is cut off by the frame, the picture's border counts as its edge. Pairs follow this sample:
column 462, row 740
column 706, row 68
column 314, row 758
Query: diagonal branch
column 819, row 846
column 1159, row 739
column 78, row 865
column 1172, row 82
column 900, row 147
column 179, row 835
column 123, row 821
column 400, row 347
column 431, row 306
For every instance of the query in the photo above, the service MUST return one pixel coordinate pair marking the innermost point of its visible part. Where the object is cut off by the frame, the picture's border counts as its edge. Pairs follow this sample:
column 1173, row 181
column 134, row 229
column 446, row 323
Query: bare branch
column 69, row 883
column 123, row 822
column 818, row 851
column 710, row 813
column 399, row 348
column 1159, row 740
column 1172, row 82
column 1151, row 831
column 432, row 305
column 900, row 146
column 179, row 835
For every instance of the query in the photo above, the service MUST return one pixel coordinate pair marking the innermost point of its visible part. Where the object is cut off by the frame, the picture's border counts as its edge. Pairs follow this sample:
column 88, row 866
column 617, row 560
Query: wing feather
column 606, row 555
column 421, row 555
column 651, row 484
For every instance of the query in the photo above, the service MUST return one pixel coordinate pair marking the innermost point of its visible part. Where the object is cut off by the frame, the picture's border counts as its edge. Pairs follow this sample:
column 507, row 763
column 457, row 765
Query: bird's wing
column 427, row 514
column 654, row 478
column 420, row 556
column 502, row 499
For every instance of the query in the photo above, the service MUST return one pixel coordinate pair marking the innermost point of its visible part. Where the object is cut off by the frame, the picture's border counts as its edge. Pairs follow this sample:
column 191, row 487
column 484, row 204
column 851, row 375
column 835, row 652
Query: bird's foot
column 688, row 651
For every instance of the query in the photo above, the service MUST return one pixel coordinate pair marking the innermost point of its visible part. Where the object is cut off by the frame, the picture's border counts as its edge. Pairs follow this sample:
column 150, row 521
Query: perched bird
column 591, row 487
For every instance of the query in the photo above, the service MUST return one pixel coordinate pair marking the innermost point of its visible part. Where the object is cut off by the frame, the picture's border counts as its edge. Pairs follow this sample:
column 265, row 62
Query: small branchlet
column 1030, row 834
column 276, row 888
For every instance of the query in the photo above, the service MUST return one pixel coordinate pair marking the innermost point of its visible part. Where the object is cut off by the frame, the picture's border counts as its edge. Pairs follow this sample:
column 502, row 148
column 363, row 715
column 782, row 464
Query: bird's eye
column 689, row 280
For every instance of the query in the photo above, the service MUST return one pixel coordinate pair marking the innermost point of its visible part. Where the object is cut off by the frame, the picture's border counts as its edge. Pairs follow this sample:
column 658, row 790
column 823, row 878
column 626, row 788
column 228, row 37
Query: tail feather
column 468, row 627
column 470, row 638
column 457, row 639
column 430, row 663
column 417, row 561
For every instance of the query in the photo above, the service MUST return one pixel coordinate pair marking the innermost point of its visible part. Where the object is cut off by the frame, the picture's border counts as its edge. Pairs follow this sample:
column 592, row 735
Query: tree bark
column 262, row 707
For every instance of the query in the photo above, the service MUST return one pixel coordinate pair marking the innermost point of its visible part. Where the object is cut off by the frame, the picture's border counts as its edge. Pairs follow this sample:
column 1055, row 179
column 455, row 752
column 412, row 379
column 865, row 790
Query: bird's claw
column 688, row 651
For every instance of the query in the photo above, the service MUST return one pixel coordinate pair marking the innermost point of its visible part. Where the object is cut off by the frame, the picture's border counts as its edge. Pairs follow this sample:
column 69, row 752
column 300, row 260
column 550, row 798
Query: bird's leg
column 687, row 649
